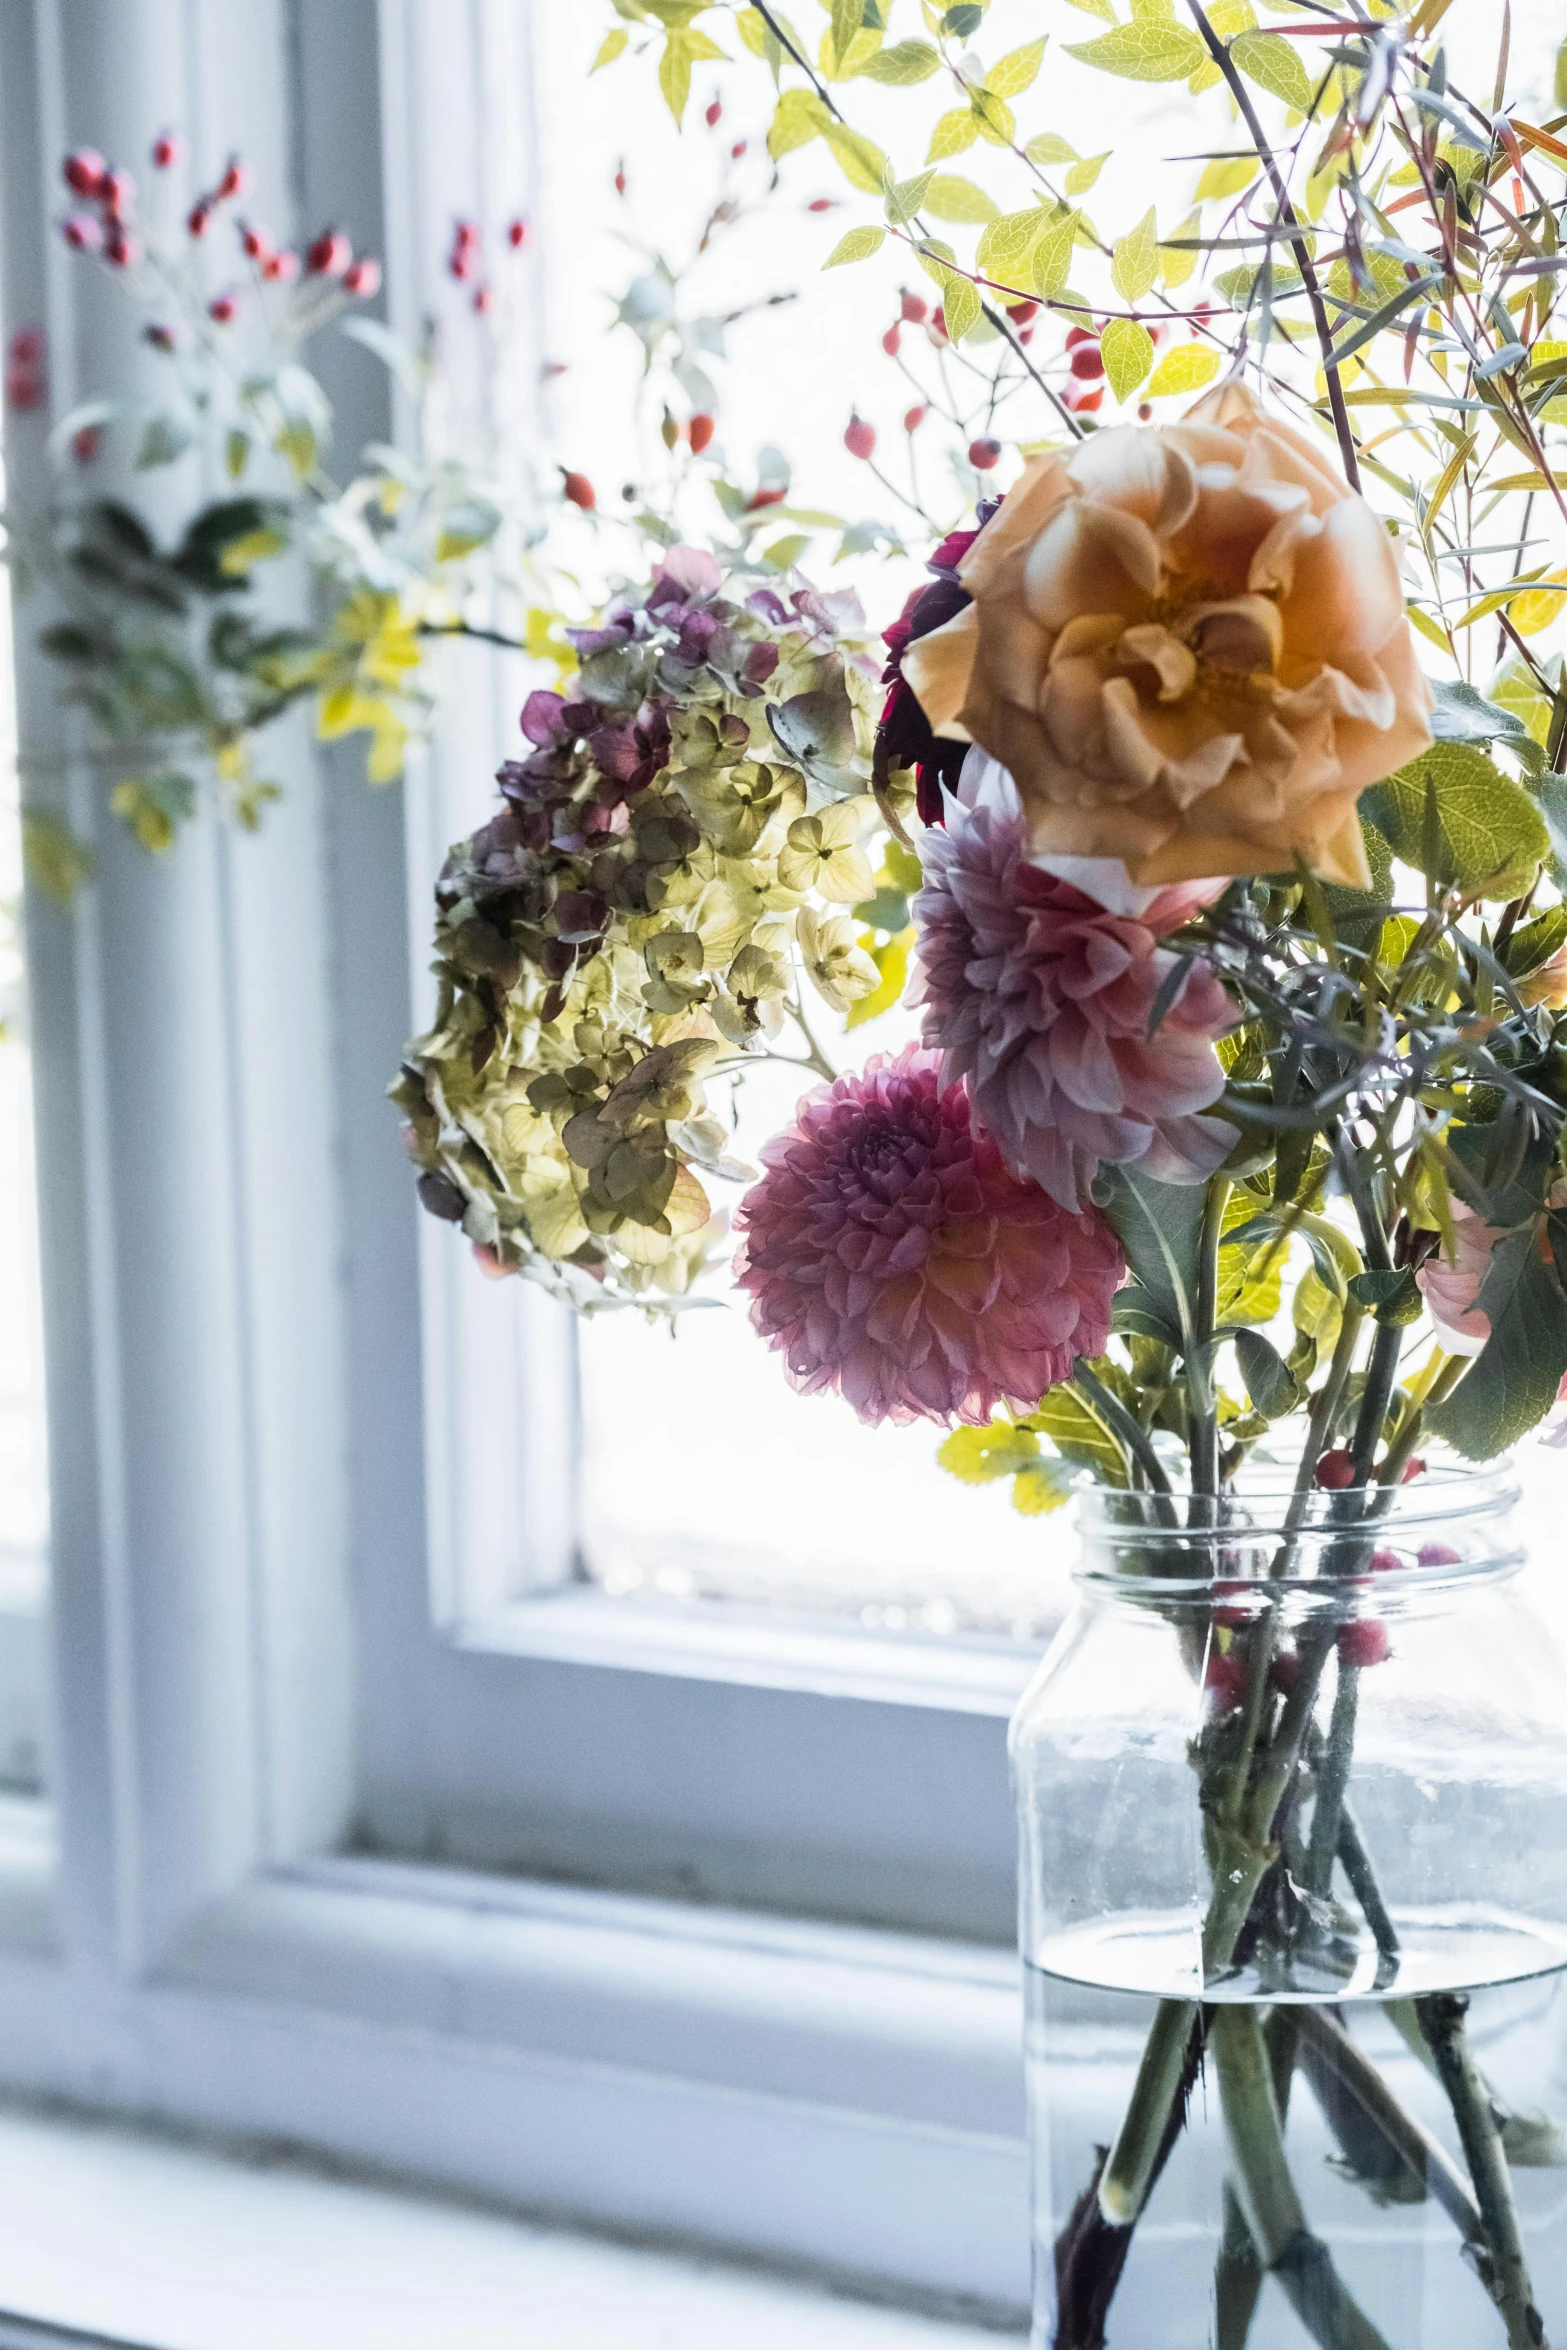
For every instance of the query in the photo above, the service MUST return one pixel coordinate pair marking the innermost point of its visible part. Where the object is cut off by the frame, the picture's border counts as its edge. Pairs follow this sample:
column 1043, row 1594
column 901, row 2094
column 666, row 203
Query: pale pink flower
column 890, row 1255
column 1451, row 1285
column 1039, row 988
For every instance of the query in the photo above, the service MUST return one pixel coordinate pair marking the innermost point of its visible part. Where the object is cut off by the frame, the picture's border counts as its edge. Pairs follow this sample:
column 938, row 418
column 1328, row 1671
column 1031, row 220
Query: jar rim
column 1210, row 1545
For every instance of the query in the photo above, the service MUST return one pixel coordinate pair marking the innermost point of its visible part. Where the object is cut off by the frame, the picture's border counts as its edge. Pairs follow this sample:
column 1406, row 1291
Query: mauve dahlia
column 890, row 1254
column 1041, row 997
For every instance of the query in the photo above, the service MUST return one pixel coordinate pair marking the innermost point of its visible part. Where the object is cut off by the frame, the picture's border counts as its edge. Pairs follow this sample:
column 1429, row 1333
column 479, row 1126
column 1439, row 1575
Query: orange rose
column 1188, row 644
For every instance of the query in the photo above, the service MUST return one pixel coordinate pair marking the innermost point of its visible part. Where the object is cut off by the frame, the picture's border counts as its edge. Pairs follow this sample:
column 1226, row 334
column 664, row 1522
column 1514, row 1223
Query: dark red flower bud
column 199, row 218
column 1081, row 399
column 1224, row 1678
column 233, row 182
column 1144, row 411
column 1385, row 1562
column 714, row 112
column 860, row 438
column 463, row 263
column 820, row 204
column 257, row 242
column 1021, row 312
column 118, row 195
column 983, row 454
column 579, row 490
column 1087, row 362
column 761, row 498
column 1284, row 1671
column 281, row 269
column 737, row 150
column 223, row 308
column 85, row 172
column 1437, row 1554
column 465, row 236
column 1025, row 335
column 119, row 249
column 484, row 300
column 620, row 181
column 26, row 376
column 1336, row 1471
column 1364, row 1642
column 517, row 233
column 83, row 233
column 938, row 324
column 1080, row 334
column 699, row 432
column 165, row 152
column 913, row 418
column 915, row 309
column 329, row 254
column 891, row 341
column 1413, row 1469
column 363, row 277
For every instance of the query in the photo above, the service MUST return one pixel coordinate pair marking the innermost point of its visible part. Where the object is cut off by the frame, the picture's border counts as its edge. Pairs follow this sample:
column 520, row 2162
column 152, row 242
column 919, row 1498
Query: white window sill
column 176, row 2246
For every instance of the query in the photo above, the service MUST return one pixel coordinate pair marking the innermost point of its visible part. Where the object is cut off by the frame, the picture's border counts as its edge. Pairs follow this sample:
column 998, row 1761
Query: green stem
column 1363, row 1884
column 1380, row 1375
column 1327, row 1819
column 1266, row 2191
column 1442, row 2021
column 1204, row 1437
column 1124, row 2182
column 1110, row 1409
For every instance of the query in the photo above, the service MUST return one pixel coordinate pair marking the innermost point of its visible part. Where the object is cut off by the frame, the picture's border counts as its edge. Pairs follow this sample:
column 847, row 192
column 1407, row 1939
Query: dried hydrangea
column 676, row 854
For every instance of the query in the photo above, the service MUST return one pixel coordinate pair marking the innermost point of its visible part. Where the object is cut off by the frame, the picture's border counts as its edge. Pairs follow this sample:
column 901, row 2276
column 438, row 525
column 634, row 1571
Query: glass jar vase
column 1292, row 1800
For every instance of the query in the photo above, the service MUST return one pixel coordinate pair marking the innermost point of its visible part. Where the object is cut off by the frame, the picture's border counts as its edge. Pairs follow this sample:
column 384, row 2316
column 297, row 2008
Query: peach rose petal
column 1188, row 645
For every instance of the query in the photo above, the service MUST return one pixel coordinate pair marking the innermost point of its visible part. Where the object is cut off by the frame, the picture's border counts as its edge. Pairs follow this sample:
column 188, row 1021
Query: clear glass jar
column 1292, row 1801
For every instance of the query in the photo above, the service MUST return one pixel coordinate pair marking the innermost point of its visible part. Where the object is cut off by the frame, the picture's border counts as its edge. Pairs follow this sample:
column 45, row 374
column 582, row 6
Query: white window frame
column 250, row 1343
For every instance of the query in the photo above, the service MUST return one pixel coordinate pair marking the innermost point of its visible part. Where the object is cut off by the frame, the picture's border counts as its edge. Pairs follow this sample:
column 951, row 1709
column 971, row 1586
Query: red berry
column 1025, row 335
column 699, row 432
column 199, row 218
column 820, row 204
column 1437, row 1554
column 362, row 277
column 913, row 418
column 26, row 378
column 85, row 172
column 859, row 437
column 463, row 264
column 737, row 150
column 119, row 249
column 82, row 232
column 257, row 242
column 1227, row 1611
column 1021, row 312
column 1336, row 1471
column 1284, row 1671
column 223, row 309
column 983, row 454
column 281, row 268
column 29, row 344
column 890, row 342
column 1224, row 1678
column 1082, row 399
column 1144, row 411
column 483, row 300
column 760, row 498
column 1413, row 1469
column 118, row 194
column 329, row 254
column 517, row 233
column 160, row 337
column 1385, row 1562
column 85, row 444
column 233, row 182
column 464, row 233
column 165, row 151
column 1080, row 334
column 1364, row 1642
column 915, row 309
column 620, row 183
column 938, row 324
column 1087, row 362
column 713, row 113
column 579, row 490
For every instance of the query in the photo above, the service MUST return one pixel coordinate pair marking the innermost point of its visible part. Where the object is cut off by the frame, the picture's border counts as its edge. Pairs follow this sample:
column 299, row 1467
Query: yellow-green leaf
column 784, row 553
column 1275, row 65
column 1126, row 347
column 857, row 244
column 993, row 117
column 1050, row 148
column 1177, row 263
column 1078, row 1435
column 1039, row 1487
column 953, row 132
column 1148, row 50
column 1053, row 254
column 674, row 74
column 1226, row 175
column 799, row 117
column 951, row 198
column 905, row 197
column 1185, row 370
column 1134, row 263
column 1011, row 75
column 846, row 20
column 904, row 63
column 1428, row 628
column 979, row 1455
column 859, row 159
column 1005, row 245
column 1099, row 8
column 297, row 443
column 53, row 856
column 892, row 961
column 1082, row 175
column 1538, row 607
column 251, row 547
column 610, row 47
column 960, row 304
column 1229, row 17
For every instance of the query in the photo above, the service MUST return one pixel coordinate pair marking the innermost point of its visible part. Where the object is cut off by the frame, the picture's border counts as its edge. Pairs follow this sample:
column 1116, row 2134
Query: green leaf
column 1040, row 1487
column 1149, row 50
column 846, row 19
column 959, row 200
column 892, row 961
column 784, row 553
column 1463, row 716
column 1226, row 175
column 859, row 159
column 1489, row 837
column 1183, row 370
column 979, row 1455
column 856, row 244
column 1134, row 264
column 1159, row 1225
column 674, row 74
column 1011, row 75
column 960, row 303
column 904, row 63
column 954, row 131
column 1078, row 1436
column 54, row 858
column 1053, row 252
column 1275, row 65
column 799, row 117
column 610, row 47
column 1512, row 1383
column 1050, row 148
column 1099, row 8
column 1389, row 1292
column 236, row 452
column 1270, row 1382
column 1082, row 175
column 1006, row 243
column 1126, row 348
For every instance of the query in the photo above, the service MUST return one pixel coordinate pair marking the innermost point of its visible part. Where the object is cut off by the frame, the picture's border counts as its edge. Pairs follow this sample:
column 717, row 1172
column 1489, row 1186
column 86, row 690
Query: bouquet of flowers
column 1234, row 1137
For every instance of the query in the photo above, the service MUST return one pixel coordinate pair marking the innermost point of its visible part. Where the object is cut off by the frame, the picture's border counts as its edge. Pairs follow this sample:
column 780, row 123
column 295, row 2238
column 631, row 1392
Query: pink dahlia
column 1042, row 996
column 890, row 1254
